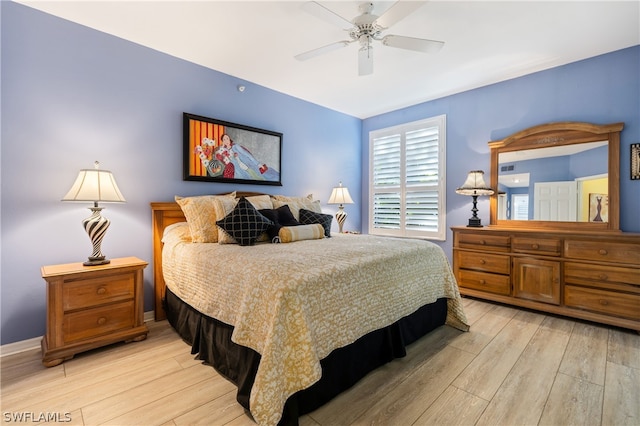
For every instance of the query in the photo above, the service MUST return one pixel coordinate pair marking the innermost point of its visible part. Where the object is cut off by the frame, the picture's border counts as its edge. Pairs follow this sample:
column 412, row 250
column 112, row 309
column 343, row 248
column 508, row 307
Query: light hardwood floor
column 514, row 367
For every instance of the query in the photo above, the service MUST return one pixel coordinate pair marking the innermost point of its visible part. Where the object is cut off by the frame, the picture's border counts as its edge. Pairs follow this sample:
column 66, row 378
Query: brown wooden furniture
column 92, row 306
column 592, row 275
column 587, row 270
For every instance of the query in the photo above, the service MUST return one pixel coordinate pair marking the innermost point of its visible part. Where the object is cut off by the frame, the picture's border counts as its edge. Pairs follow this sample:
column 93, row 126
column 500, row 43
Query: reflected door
column 555, row 201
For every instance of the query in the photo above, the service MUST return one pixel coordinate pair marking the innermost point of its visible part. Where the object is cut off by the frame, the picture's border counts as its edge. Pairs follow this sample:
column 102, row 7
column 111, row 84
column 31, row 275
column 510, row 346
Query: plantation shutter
column 407, row 180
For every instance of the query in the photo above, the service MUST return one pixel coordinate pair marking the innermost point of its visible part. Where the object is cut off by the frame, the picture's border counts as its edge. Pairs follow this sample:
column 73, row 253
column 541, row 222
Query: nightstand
column 92, row 306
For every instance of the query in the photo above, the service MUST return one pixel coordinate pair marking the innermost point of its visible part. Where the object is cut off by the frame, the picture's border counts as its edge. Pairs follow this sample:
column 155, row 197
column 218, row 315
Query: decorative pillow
column 289, row 198
column 244, row 223
column 297, row 203
column 280, row 217
column 289, row 234
column 201, row 216
column 261, row 201
column 308, row 217
column 224, row 206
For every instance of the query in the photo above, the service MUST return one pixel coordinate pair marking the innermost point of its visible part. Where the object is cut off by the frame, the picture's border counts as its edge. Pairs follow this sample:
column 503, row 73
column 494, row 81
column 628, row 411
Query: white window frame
column 404, row 188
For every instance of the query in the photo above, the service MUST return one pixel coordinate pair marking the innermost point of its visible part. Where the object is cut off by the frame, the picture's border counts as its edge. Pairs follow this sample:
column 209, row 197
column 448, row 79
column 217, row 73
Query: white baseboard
column 21, row 346
column 31, row 344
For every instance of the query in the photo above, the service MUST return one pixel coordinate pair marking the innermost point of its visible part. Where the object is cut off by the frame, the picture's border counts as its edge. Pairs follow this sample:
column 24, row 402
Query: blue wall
column 72, row 95
column 602, row 90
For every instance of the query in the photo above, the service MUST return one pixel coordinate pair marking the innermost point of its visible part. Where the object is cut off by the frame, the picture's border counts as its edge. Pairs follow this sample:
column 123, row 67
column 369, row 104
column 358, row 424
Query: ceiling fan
column 367, row 28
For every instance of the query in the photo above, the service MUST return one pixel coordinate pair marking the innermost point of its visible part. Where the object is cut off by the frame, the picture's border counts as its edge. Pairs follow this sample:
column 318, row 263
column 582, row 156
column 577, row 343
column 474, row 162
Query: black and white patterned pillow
column 280, row 217
column 244, row 223
column 307, row 217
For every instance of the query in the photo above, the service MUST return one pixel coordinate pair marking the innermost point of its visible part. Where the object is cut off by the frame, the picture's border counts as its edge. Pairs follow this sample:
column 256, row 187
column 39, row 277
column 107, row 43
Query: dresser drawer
column 484, row 281
column 480, row 241
column 607, row 276
column 607, row 302
column 543, row 246
column 496, row 263
column 97, row 291
column 603, row 251
column 95, row 322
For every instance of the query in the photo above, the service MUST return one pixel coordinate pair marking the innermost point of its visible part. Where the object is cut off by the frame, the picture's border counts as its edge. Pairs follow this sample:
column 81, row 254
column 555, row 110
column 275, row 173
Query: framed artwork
column 635, row 161
column 219, row 151
column 598, row 208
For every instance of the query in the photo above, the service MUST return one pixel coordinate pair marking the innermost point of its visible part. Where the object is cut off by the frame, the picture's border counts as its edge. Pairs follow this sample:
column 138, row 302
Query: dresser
column 92, row 306
column 591, row 275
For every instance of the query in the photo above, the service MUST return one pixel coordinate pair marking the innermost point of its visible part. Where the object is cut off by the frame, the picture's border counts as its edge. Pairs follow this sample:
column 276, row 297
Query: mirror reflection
column 561, row 183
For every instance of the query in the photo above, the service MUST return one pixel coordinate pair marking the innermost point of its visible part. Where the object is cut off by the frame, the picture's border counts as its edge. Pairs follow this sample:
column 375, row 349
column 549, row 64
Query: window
column 406, row 181
column 520, row 206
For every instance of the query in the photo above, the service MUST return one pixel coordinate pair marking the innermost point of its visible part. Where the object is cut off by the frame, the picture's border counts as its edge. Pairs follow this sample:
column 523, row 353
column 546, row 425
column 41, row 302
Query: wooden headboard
column 163, row 215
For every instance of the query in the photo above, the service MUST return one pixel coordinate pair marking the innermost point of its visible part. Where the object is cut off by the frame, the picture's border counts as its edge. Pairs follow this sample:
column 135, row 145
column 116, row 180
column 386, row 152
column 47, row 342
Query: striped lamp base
column 341, row 216
column 96, row 226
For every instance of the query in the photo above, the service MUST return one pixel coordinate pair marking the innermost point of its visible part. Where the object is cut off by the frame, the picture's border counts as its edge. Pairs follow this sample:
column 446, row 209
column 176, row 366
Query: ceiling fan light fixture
column 367, row 27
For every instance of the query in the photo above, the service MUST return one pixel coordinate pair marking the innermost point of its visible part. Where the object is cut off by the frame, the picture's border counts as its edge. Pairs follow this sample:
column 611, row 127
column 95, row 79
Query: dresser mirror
column 561, row 175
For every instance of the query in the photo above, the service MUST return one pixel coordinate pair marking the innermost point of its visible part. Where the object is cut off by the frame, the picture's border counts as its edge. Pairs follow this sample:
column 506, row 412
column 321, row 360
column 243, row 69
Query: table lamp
column 95, row 185
column 340, row 195
column 474, row 186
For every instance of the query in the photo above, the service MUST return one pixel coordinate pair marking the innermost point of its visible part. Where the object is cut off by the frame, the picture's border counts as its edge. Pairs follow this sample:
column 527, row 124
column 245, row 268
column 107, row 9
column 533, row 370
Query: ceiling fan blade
column 412, row 43
column 397, row 12
column 365, row 61
column 320, row 50
column 327, row 15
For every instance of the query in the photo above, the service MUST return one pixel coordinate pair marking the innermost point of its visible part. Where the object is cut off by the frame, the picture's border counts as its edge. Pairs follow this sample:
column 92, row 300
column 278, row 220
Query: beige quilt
column 295, row 303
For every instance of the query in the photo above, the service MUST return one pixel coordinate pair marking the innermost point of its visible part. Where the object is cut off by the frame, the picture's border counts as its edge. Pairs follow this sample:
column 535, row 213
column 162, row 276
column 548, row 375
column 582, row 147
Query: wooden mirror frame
column 558, row 134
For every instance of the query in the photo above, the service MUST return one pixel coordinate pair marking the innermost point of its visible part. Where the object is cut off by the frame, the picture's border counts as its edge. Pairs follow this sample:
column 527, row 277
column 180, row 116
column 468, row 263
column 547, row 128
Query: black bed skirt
column 210, row 339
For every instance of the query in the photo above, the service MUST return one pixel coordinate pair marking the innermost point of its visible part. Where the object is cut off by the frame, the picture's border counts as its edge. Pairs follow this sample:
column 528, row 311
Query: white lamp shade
column 340, row 195
column 95, row 185
column 474, row 185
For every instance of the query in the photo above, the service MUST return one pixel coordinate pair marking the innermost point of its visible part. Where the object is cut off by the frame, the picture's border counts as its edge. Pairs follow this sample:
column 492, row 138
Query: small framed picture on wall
column 635, row 161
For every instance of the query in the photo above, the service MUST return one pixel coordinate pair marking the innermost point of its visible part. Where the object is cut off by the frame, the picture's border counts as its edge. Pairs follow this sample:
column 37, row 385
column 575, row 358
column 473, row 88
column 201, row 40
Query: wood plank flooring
column 515, row 367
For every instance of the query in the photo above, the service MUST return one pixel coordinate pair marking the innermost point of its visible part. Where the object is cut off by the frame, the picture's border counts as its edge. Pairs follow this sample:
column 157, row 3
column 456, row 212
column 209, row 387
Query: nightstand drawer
column 603, row 251
column 607, row 302
column 98, row 291
column 544, row 246
column 94, row 322
column 483, row 262
column 493, row 283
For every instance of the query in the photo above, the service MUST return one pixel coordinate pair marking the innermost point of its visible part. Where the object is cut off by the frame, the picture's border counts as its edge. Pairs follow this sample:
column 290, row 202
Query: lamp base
column 96, row 226
column 341, row 216
column 474, row 222
column 96, row 261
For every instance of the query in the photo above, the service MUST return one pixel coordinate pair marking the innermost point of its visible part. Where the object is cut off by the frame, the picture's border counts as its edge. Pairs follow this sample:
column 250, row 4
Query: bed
column 294, row 324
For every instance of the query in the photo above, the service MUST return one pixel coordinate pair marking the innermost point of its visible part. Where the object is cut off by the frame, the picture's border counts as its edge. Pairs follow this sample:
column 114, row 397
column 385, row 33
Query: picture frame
column 598, row 208
column 220, row 151
column 635, row 161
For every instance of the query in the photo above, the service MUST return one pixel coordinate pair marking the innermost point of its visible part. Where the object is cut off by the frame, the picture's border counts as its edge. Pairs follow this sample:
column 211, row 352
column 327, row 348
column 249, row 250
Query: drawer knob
column 602, row 252
column 535, row 246
column 603, row 277
column 482, row 261
column 101, row 321
column 483, row 282
column 603, row 302
column 101, row 290
column 483, row 242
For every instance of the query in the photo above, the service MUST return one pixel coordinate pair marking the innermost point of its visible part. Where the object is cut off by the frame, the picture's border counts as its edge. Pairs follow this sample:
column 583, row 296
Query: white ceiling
column 485, row 42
